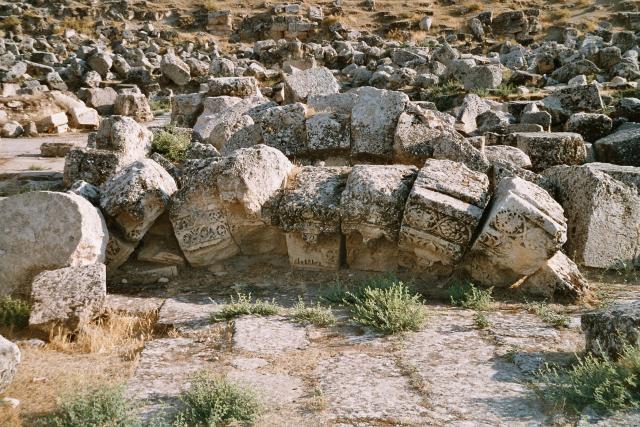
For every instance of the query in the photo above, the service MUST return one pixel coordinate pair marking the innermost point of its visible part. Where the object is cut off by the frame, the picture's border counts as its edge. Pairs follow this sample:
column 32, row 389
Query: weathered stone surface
column 603, row 216
column 309, row 211
column 211, row 107
column 559, row 278
column 546, row 149
column 314, row 81
column 608, row 330
column 472, row 106
column 483, row 77
column 373, row 122
column 524, row 228
column 123, row 135
column 185, row 109
column 159, row 245
column 175, row 69
column 441, row 215
column 507, row 154
column 562, row 103
column 133, row 105
column 622, row 147
column 268, row 335
column 9, row 361
column 371, row 208
column 284, row 128
column 198, row 216
column 69, row 296
column 360, row 387
column 46, row 230
column 221, row 128
column 136, row 197
column 250, row 178
column 591, row 126
column 233, row 86
column 328, row 133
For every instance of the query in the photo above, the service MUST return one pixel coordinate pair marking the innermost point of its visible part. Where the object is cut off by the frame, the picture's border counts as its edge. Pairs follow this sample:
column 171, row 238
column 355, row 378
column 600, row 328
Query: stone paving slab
column 268, row 335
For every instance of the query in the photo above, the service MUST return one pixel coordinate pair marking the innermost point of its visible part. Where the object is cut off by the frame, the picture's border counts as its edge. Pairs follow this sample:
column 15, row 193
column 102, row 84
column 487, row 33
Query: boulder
column 507, row 154
column 212, row 108
column 328, row 134
column 233, row 86
column 198, row 216
column 592, row 126
column 622, row 147
column 124, row 136
column 609, row 330
column 134, row 198
column 309, row 212
column 44, row 230
column 562, row 103
column 185, row 109
column 483, row 77
column 101, row 99
column 133, row 105
column 546, row 149
column 598, row 207
column 441, row 215
column 371, row 209
column 522, row 230
column 314, row 81
column 69, row 297
column 284, row 128
column 374, row 118
column 251, row 178
column 9, row 361
column 472, row 106
column 101, row 63
column 558, row 279
column 175, row 69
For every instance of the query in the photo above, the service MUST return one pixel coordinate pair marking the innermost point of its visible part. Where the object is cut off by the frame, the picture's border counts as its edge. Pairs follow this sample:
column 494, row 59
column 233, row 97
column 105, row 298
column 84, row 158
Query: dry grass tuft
column 113, row 333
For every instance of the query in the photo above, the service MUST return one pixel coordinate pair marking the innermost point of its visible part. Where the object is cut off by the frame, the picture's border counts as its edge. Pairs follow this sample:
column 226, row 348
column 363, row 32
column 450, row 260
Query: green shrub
column 160, row 105
column 14, row 313
column 244, row 305
column 481, row 321
column 171, row 143
column 601, row 383
column 468, row 296
column 213, row 401
column 340, row 293
column 548, row 315
column 318, row 315
column 388, row 310
column 104, row 406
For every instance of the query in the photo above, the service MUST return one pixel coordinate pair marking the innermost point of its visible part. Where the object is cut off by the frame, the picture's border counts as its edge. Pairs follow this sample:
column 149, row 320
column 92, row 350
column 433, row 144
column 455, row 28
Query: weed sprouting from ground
column 481, row 321
column 316, row 315
column 388, row 310
column 602, row 383
column 159, row 106
column 171, row 143
column 469, row 296
column 14, row 313
column 244, row 305
column 547, row 314
column 212, row 401
column 99, row 406
column 341, row 293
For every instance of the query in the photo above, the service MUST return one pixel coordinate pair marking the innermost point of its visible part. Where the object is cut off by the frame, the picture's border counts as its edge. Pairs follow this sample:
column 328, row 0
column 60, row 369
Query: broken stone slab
column 250, row 178
column 358, row 387
column 562, row 103
column 9, row 361
column 187, row 313
column 223, row 127
column 547, row 149
column 50, row 123
column 374, row 118
column 159, row 244
column 622, row 147
column 186, row 108
column 314, row 81
column 523, row 229
column 284, row 128
column 441, row 215
column 55, row 149
column 483, row 77
column 610, row 329
column 101, row 99
column 241, row 87
column 328, row 133
column 136, row 197
column 211, row 107
column 199, row 218
column 268, row 335
column 90, row 165
column 309, row 212
column 372, row 206
column 84, row 118
column 559, row 278
column 472, row 106
column 273, row 388
column 592, row 126
column 68, row 297
column 175, row 69
column 603, row 216
column 118, row 251
column 506, row 154
column 44, row 230
column 124, row 135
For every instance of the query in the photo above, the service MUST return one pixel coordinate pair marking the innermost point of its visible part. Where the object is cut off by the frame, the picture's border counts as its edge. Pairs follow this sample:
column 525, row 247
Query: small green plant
column 159, row 106
column 316, row 315
column 504, row 90
column 481, row 321
column 468, row 296
column 244, row 305
column 548, row 315
column 35, row 168
column 387, row 310
column 602, row 383
column 105, row 406
column 340, row 293
column 171, row 143
column 14, row 313
column 212, row 401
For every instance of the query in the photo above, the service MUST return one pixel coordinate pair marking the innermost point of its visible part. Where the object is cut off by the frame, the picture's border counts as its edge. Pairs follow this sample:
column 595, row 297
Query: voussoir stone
column 44, row 230
column 372, row 205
